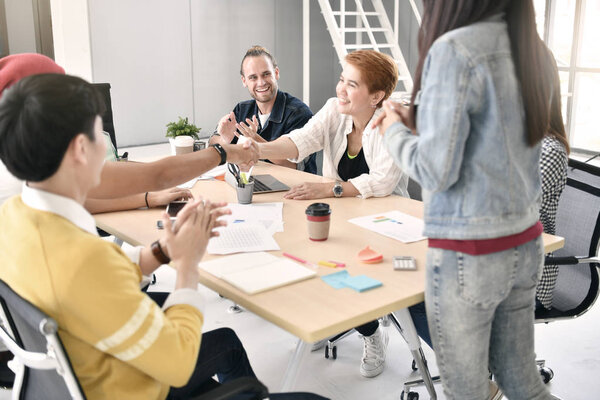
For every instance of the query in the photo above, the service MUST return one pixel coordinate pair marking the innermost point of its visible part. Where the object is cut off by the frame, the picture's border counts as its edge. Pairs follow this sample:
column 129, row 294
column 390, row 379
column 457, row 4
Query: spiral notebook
column 256, row 272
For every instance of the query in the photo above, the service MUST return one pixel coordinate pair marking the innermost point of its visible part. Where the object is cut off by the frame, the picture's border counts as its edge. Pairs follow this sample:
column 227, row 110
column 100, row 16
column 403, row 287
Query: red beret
column 17, row 66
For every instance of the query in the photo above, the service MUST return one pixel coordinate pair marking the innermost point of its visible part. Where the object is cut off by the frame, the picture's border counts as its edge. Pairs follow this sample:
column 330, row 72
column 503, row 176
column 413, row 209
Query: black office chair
column 43, row 367
column 108, row 124
column 578, row 221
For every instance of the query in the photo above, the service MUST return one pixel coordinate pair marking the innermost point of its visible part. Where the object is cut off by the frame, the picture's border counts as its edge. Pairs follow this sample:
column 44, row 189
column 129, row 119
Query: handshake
column 244, row 154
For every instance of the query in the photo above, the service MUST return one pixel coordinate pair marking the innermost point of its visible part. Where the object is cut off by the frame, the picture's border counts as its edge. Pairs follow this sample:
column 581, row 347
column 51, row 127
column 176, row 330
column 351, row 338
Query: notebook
column 256, row 272
column 262, row 183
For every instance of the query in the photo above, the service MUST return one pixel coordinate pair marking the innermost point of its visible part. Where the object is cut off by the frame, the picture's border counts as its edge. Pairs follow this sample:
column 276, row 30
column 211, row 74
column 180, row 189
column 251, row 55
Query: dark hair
column 440, row 17
column 378, row 71
column 39, row 116
column 257, row 51
column 556, row 126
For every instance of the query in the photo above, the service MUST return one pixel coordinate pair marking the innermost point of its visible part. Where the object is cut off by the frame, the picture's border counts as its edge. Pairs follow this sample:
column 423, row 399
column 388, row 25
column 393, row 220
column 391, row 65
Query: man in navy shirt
column 270, row 114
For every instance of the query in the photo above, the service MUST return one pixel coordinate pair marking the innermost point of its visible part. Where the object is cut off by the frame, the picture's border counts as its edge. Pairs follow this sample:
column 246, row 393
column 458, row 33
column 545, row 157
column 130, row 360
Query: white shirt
column 263, row 118
column 9, row 185
column 328, row 130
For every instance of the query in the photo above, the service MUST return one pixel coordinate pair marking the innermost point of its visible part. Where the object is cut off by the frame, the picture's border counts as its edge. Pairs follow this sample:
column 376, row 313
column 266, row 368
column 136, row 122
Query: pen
column 327, row 264
column 288, row 255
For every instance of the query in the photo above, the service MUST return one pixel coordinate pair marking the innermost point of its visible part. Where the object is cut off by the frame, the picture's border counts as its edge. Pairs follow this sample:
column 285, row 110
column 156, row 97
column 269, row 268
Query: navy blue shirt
column 288, row 113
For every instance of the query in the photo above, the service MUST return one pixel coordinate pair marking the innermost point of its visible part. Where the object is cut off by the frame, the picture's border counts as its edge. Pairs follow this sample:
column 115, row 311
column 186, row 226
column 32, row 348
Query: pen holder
column 244, row 192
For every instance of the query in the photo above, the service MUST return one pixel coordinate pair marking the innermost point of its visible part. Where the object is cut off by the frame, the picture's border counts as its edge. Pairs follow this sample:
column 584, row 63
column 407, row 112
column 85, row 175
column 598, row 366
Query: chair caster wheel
column 547, row 374
column 235, row 309
column 333, row 352
column 414, row 365
column 409, row 396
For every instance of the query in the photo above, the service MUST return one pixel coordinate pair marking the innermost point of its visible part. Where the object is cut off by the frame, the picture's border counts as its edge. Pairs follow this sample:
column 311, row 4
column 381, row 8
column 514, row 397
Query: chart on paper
column 393, row 224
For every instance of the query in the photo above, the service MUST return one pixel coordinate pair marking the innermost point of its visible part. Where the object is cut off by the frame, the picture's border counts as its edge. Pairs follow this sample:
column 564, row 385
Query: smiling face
column 260, row 78
column 353, row 94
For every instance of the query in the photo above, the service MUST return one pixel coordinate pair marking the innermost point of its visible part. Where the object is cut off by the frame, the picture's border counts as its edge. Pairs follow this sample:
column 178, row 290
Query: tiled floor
column 571, row 348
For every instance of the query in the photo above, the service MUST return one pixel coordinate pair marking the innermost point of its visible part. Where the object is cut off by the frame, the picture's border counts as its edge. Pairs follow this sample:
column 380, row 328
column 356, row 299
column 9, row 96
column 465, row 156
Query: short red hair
column 378, row 71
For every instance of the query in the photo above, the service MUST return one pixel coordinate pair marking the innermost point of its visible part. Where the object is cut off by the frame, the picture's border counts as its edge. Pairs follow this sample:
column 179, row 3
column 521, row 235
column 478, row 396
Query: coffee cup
column 244, row 192
column 318, row 219
column 184, row 145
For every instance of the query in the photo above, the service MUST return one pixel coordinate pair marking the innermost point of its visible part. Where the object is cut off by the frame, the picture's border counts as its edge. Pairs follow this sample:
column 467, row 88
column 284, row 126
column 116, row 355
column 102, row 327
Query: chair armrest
column 551, row 260
column 240, row 385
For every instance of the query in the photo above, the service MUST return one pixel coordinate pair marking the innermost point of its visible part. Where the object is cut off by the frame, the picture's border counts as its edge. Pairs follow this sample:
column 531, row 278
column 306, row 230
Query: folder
column 256, row 272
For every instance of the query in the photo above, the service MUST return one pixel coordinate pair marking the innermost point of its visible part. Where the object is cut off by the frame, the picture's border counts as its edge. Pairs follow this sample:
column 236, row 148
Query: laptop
column 262, row 183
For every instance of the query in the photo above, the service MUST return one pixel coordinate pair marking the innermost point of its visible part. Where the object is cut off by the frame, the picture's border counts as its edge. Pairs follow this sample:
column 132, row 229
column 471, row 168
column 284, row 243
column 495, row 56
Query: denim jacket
column 288, row 113
column 480, row 178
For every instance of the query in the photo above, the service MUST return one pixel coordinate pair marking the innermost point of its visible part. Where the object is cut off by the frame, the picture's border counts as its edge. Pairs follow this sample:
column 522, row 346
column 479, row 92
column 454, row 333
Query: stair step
column 369, row 46
column 364, row 30
column 354, row 13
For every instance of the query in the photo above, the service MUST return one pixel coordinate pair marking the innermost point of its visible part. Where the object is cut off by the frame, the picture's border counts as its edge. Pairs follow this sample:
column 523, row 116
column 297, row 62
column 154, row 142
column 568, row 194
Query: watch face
column 338, row 190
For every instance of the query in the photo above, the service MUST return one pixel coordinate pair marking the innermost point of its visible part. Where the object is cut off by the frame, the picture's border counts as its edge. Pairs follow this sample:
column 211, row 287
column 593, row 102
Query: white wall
column 70, row 29
column 19, row 26
column 166, row 59
column 143, row 50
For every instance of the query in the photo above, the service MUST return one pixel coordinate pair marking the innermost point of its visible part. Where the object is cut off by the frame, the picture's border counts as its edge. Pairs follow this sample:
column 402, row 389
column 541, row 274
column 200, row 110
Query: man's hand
column 194, row 227
column 250, row 129
column 310, row 190
column 392, row 113
column 226, row 127
column 245, row 155
column 166, row 196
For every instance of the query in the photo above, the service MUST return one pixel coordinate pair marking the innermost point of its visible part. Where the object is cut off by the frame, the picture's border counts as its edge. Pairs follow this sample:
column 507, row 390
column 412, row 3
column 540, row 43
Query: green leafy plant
column 182, row 127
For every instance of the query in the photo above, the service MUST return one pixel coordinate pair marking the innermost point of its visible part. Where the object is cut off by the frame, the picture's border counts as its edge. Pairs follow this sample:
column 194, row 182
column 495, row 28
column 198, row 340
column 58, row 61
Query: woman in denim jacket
column 474, row 147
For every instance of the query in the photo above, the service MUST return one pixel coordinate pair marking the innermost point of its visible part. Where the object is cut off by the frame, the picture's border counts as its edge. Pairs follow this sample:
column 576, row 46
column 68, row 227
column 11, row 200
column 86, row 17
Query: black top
column 351, row 168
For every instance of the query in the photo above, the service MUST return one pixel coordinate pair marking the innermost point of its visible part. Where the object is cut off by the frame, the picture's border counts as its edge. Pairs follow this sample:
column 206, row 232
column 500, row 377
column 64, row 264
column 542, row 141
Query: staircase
column 366, row 25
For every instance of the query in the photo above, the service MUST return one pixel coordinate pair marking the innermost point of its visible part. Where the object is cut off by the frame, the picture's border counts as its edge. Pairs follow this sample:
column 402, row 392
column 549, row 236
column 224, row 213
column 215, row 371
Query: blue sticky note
column 361, row 283
column 336, row 280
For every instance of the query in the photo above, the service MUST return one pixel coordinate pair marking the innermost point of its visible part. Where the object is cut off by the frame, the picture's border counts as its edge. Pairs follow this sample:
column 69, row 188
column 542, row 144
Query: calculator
column 404, row 263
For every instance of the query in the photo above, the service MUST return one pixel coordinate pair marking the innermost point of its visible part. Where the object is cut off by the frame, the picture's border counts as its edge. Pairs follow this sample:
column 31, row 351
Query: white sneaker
column 373, row 359
column 495, row 392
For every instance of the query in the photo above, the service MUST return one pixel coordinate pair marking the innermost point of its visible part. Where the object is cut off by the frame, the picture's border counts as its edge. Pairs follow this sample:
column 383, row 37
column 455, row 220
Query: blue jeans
column 480, row 311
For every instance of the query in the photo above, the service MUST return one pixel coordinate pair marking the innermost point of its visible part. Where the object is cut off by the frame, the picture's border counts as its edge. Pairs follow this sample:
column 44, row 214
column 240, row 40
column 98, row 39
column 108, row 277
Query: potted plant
column 181, row 128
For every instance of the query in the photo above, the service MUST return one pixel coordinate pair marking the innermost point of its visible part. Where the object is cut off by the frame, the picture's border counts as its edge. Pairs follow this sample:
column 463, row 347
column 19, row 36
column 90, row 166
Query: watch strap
column 221, row 151
column 158, row 253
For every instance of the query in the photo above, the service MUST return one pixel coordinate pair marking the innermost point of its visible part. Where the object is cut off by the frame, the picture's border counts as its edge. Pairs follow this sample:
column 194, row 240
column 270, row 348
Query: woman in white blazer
column 354, row 155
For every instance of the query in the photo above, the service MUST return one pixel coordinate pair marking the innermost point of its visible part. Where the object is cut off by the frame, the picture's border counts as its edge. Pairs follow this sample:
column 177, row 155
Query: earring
column 374, row 106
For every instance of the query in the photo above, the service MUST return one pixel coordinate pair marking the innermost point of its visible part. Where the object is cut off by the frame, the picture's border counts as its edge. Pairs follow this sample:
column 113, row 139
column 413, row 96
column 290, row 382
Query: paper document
column 256, row 272
column 238, row 238
column 269, row 215
column 216, row 171
column 393, row 224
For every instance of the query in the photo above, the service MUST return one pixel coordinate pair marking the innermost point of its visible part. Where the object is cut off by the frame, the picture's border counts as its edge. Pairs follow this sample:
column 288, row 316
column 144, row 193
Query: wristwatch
column 338, row 189
column 221, row 152
column 158, row 253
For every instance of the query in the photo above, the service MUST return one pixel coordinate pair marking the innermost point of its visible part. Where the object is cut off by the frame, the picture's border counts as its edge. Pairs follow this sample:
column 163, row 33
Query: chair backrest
column 32, row 337
column 578, row 221
column 107, row 119
column 414, row 190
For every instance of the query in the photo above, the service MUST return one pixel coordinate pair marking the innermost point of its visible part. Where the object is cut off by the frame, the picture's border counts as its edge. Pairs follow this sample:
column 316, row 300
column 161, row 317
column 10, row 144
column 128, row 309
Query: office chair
column 107, row 119
column 43, row 368
column 578, row 221
column 577, row 284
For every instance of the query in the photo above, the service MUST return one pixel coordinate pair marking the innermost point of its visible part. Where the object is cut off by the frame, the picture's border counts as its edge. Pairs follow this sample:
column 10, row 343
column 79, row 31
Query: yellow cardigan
column 121, row 344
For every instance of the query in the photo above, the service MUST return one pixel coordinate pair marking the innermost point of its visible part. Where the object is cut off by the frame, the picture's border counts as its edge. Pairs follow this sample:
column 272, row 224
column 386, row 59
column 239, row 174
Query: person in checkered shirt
column 553, row 171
